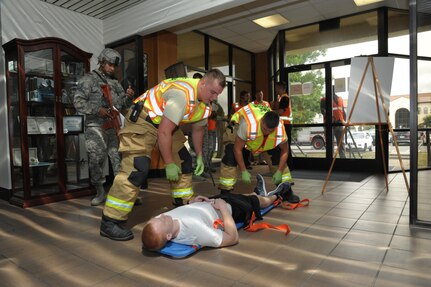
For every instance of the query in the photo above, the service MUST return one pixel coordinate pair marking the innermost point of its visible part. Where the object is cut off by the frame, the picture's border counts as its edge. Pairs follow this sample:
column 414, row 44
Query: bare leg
column 265, row 201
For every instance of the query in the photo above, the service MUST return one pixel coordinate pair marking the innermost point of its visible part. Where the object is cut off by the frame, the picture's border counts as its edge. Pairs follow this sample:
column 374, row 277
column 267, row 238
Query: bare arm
column 237, row 150
column 230, row 233
column 284, row 154
column 164, row 138
column 197, row 137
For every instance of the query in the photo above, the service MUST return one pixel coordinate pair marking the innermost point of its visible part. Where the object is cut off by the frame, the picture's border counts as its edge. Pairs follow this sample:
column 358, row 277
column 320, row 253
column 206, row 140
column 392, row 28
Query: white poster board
column 365, row 108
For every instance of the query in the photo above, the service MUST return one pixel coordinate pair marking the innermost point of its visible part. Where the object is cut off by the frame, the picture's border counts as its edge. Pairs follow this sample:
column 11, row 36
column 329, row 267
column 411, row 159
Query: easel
column 378, row 93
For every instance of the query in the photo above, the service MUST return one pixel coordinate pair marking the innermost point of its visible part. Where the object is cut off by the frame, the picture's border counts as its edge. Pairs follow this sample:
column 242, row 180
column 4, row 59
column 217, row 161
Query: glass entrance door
column 318, row 134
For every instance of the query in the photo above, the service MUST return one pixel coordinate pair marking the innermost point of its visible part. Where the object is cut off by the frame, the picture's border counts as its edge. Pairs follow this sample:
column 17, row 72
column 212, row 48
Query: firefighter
column 259, row 129
column 153, row 121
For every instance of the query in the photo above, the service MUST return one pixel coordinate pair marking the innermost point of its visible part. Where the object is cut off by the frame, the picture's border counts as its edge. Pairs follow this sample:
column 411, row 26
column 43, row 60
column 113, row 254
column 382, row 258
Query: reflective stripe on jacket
column 155, row 104
column 256, row 141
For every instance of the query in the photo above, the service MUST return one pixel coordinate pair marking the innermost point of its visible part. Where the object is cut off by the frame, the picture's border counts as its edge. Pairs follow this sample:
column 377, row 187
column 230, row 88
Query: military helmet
column 110, row 56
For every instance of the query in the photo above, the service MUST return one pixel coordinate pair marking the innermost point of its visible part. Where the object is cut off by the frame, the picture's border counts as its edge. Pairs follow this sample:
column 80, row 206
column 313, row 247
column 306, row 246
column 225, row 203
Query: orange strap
column 253, row 227
column 218, row 224
column 290, row 206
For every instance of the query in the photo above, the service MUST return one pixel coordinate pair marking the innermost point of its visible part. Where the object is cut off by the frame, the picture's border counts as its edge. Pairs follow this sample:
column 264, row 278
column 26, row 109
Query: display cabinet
column 48, row 158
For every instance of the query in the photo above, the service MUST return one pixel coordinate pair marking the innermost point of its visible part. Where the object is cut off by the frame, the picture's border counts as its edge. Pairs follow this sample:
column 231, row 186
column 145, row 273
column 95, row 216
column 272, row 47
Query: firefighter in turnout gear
column 259, row 129
column 153, row 122
column 100, row 97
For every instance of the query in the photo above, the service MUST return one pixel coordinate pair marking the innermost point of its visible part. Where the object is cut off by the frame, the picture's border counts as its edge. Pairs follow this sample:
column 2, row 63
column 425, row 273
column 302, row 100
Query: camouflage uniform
column 99, row 141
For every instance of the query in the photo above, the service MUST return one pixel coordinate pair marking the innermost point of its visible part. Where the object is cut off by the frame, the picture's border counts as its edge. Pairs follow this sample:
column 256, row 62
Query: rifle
column 115, row 121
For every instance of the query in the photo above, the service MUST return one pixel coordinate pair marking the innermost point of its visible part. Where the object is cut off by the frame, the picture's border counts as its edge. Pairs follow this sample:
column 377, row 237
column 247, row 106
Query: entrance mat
column 335, row 175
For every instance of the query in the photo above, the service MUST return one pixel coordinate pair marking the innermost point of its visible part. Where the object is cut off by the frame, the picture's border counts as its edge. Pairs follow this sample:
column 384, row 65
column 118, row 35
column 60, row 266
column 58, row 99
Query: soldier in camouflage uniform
column 100, row 138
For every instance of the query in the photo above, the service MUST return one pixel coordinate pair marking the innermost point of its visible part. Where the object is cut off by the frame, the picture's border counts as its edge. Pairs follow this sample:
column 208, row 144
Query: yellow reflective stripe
column 119, row 204
column 227, row 181
column 286, row 177
column 286, row 118
column 251, row 119
column 182, row 192
column 279, row 134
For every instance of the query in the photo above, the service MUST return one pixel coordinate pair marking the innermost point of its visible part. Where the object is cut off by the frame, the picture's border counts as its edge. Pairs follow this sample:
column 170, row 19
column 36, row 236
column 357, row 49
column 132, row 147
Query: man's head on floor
column 157, row 232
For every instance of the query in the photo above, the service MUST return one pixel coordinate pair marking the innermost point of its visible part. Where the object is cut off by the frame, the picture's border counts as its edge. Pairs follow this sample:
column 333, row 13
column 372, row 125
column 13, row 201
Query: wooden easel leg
column 378, row 92
column 346, row 125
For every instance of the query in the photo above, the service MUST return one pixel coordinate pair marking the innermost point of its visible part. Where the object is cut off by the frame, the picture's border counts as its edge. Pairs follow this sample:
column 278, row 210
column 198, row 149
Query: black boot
column 112, row 229
column 178, row 202
column 224, row 191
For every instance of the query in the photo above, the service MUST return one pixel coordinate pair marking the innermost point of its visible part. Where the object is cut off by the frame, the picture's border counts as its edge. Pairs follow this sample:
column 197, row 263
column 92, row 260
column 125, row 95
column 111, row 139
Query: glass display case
column 48, row 158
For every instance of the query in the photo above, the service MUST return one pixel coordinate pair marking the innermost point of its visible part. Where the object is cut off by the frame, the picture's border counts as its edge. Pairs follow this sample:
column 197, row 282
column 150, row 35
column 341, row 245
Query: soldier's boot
column 112, row 229
column 100, row 196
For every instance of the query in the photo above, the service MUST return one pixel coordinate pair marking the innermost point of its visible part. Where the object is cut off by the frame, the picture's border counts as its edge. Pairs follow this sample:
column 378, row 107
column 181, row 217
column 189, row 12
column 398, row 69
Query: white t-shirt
column 196, row 224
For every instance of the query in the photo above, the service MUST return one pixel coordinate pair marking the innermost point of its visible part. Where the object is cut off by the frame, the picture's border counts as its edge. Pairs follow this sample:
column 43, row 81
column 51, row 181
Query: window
column 191, row 49
column 241, row 64
column 332, row 40
column 218, row 56
column 398, row 34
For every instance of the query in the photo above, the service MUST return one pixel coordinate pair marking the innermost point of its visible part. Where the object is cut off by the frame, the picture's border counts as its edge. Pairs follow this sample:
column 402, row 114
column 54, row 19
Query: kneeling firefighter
column 258, row 129
column 153, row 122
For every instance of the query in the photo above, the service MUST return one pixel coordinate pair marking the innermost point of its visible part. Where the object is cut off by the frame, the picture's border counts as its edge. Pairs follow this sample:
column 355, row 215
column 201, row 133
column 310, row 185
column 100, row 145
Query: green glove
column 199, row 165
column 276, row 178
column 172, row 171
column 246, row 176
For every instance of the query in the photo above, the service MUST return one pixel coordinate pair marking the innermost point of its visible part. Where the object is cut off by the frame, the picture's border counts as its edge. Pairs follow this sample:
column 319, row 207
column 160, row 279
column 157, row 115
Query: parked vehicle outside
column 402, row 137
column 363, row 141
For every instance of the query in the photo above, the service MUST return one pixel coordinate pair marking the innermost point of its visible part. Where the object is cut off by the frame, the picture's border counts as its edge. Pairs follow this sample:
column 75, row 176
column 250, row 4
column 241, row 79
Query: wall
column 161, row 49
column 31, row 19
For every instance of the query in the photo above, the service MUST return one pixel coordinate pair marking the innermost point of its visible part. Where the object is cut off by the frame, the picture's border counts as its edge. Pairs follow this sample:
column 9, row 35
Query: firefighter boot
column 100, row 196
column 112, row 229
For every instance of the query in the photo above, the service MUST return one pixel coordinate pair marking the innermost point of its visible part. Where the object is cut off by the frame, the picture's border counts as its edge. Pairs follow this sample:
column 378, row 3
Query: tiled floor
column 355, row 234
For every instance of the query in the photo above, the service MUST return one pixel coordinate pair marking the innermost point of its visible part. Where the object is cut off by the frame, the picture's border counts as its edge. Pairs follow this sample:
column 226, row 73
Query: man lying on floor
column 194, row 224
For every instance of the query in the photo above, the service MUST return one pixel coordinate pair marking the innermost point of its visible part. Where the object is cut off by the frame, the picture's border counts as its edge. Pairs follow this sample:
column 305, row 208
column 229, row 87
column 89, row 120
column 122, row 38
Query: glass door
column 316, row 131
column 40, row 116
column 73, row 151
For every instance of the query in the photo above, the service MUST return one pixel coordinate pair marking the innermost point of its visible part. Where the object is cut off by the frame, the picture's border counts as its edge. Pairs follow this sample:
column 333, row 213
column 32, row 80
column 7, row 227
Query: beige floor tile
column 394, row 277
column 329, row 245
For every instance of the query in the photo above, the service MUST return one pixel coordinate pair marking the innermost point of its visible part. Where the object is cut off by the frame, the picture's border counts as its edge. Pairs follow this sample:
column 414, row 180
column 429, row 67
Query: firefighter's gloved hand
column 199, row 165
column 172, row 172
column 246, row 176
column 276, row 178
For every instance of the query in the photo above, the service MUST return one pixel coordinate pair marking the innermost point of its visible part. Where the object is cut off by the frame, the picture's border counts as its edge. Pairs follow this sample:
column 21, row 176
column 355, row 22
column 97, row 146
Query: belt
column 148, row 119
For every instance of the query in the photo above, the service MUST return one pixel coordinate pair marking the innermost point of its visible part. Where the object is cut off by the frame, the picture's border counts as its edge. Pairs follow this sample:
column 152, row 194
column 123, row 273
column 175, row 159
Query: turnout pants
column 137, row 140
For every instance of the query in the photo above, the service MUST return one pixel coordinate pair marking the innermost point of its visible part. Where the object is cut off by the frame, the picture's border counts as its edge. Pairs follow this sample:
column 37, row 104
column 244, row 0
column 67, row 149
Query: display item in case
column 32, row 156
column 46, row 90
column 32, row 126
column 73, row 124
column 46, row 125
column 40, row 125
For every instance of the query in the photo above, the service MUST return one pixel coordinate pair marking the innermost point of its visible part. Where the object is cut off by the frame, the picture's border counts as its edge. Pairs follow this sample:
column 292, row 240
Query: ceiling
column 235, row 25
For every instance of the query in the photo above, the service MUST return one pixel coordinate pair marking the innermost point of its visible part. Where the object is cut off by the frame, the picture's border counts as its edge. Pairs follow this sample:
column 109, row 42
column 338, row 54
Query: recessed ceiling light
column 365, row 2
column 271, row 21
